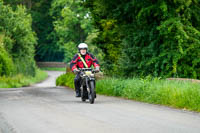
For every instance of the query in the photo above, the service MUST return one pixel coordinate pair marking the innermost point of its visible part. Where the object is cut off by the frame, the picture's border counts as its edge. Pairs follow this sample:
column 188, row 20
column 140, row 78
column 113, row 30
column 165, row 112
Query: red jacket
column 89, row 59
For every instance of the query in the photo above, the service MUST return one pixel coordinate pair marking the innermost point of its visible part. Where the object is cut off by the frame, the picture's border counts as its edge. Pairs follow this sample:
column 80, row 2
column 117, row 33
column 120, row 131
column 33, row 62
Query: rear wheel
column 92, row 92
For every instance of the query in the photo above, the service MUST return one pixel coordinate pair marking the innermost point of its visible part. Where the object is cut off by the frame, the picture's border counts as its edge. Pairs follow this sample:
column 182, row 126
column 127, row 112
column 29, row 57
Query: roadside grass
column 53, row 68
column 177, row 94
column 66, row 80
column 21, row 80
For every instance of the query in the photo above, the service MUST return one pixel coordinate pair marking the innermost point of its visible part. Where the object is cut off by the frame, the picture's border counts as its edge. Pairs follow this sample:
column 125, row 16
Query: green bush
column 25, row 66
column 19, row 39
column 66, row 80
column 20, row 80
column 6, row 64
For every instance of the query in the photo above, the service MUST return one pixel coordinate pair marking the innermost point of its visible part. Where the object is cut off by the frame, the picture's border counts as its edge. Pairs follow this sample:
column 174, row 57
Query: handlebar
column 87, row 69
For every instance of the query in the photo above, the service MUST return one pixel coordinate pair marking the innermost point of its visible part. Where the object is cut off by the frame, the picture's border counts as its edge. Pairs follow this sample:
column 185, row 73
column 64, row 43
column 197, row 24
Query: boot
column 78, row 93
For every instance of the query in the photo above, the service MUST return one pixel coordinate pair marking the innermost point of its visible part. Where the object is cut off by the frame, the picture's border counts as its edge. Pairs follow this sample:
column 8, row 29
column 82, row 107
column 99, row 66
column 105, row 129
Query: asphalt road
column 45, row 108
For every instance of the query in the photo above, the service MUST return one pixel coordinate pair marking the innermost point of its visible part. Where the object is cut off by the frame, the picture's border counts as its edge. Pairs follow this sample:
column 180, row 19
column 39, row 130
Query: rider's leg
column 77, row 85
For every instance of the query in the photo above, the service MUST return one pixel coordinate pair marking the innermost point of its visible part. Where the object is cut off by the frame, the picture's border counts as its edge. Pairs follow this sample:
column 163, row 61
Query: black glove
column 76, row 71
column 97, row 69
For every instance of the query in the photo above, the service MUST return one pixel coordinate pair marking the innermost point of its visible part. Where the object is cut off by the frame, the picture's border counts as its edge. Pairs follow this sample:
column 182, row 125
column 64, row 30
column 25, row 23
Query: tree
column 159, row 38
column 19, row 39
column 72, row 24
column 47, row 48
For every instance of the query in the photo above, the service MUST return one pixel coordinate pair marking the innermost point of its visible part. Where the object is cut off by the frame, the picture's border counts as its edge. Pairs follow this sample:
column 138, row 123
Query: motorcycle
column 87, row 84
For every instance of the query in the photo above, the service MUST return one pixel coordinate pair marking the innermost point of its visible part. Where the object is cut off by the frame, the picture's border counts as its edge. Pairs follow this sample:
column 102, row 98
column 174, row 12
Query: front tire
column 83, row 97
column 92, row 92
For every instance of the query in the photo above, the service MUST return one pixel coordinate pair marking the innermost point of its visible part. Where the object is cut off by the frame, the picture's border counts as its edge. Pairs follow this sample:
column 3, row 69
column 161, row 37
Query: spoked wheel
column 84, row 94
column 91, row 95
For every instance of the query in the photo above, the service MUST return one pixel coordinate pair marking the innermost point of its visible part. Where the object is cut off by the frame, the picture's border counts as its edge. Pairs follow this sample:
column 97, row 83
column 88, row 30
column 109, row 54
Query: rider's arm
column 73, row 63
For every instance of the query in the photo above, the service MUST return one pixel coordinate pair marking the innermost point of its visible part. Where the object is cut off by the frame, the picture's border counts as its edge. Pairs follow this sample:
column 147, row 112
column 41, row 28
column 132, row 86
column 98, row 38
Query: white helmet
column 82, row 46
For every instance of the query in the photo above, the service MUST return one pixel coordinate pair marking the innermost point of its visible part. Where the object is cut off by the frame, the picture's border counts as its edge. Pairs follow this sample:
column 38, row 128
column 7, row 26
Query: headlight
column 88, row 73
column 91, row 75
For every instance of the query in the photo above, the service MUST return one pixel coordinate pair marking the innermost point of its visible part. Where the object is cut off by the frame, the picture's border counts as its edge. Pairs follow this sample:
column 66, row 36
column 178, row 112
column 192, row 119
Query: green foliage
column 48, row 48
column 60, row 26
column 159, row 38
column 178, row 94
column 20, row 80
column 70, row 50
column 6, row 64
column 110, row 43
column 137, row 38
column 72, row 25
column 98, row 53
column 66, row 80
column 19, row 39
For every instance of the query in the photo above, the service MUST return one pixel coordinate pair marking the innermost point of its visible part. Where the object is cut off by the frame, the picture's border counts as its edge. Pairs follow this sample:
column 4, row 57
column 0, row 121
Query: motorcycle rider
column 78, row 63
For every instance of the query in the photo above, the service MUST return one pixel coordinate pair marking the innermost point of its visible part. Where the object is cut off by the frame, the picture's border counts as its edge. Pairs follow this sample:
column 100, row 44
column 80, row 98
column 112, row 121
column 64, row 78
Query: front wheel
column 84, row 94
column 92, row 92
column 83, row 98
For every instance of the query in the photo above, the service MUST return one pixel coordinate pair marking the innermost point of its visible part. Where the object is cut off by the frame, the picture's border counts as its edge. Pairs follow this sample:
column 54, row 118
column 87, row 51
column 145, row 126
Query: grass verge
column 177, row 94
column 53, row 68
column 66, row 80
column 21, row 80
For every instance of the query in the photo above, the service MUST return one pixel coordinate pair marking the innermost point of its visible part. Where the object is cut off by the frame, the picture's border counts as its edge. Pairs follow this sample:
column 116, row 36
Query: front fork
column 88, row 85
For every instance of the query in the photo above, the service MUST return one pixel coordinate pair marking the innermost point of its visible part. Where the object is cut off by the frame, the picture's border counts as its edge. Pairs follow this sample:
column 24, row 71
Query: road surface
column 45, row 108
